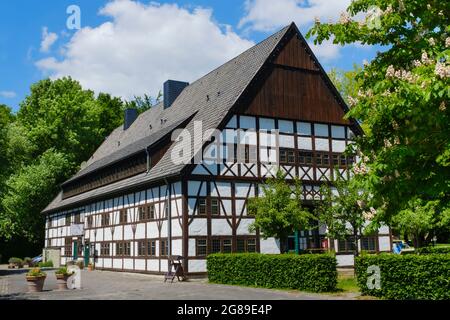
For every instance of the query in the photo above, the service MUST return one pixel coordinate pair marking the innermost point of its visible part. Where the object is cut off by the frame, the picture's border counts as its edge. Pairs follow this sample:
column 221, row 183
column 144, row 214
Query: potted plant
column 15, row 263
column 36, row 278
column 27, row 262
column 61, row 278
column 90, row 266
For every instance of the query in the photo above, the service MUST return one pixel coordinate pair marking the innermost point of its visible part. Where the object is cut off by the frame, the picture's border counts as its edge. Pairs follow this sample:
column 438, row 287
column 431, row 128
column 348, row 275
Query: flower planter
column 61, row 280
column 35, row 284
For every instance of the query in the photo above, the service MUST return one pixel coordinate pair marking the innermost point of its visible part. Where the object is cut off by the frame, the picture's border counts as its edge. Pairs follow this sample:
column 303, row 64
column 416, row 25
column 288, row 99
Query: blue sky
column 129, row 48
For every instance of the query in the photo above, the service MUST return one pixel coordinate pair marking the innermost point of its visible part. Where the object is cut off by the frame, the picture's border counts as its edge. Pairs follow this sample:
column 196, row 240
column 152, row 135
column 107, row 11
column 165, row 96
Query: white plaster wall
column 269, row 246
column 164, row 229
column 384, row 243
column 139, row 264
column 242, row 229
column 286, row 141
column 247, row 122
column 338, row 132
column 267, row 139
column 338, row 145
column 191, row 247
column 266, row 124
column 304, row 143
column 197, row 265
column 345, row 260
column 152, row 230
column 117, row 263
column 322, row 144
column 304, row 128
column 383, row 230
column 223, row 189
column 164, row 265
column 198, row 227
column 220, row 227
column 177, row 231
column 152, row 265
column 128, row 232
column 194, row 186
column 177, row 248
column 140, row 231
column 128, row 264
column 241, row 189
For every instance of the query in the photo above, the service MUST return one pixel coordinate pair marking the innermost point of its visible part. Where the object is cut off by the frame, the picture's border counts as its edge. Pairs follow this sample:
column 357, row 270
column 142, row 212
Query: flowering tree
column 403, row 99
column 344, row 208
column 278, row 210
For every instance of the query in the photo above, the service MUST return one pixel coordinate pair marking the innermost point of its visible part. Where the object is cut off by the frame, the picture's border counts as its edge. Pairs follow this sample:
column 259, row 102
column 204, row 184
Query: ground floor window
column 123, row 248
column 346, row 245
column 201, row 247
column 68, row 247
column 164, row 248
column 369, row 243
column 105, row 249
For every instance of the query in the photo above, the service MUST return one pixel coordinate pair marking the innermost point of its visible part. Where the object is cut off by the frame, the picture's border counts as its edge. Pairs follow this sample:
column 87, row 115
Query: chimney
column 172, row 89
column 130, row 116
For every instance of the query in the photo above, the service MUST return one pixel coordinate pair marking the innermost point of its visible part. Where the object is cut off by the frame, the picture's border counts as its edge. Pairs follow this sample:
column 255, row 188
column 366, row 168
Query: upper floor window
column 287, row 156
column 105, row 219
column 123, row 218
column 305, row 157
column 68, row 219
column 202, row 206
column 90, row 221
column 215, row 207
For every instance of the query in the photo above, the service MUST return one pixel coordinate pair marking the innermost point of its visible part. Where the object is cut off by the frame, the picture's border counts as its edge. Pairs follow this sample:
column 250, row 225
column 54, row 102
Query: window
column 77, row 218
column 123, row 248
column 90, row 221
column 142, row 251
column 347, row 245
column 151, row 211
column 335, row 159
column 123, row 216
column 166, row 209
column 164, row 248
column 68, row 246
column 319, row 159
column 305, row 157
column 201, row 247
column 105, row 248
column 287, row 156
column 143, row 214
column 215, row 208
column 251, row 245
column 227, row 246
column 326, row 159
column 215, row 246
column 49, row 222
column 151, row 248
column 105, row 219
column 369, row 243
column 202, row 206
column 68, row 218
column 240, row 245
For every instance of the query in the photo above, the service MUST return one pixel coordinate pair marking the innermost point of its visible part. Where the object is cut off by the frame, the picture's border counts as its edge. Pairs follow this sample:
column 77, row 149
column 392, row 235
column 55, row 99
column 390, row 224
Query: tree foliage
column 404, row 99
column 278, row 210
column 30, row 190
column 59, row 125
column 344, row 209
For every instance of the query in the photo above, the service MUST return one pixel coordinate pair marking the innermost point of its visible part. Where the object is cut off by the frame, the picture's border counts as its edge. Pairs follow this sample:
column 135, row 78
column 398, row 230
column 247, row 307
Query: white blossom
column 442, row 106
column 317, row 20
column 388, row 10
column 390, row 72
column 417, row 63
column 442, row 70
column 345, row 18
column 425, row 59
column 447, row 42
column 432, row 42
column 352, row 101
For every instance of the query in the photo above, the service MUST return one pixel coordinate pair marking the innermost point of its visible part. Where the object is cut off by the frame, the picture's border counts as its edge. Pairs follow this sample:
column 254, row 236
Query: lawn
column 347, row 284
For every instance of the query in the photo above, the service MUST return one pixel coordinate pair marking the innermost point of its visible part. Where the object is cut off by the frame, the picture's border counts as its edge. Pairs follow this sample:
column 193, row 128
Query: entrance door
column 86, row 253
column 75, row 250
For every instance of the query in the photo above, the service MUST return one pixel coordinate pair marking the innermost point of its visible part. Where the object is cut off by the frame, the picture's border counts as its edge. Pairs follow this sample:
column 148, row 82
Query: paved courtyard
column 105, row 285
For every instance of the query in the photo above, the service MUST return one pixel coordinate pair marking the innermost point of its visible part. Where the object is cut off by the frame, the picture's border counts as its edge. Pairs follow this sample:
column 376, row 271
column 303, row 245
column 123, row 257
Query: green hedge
column 430, row 249
column 312, row 272
column 406, row 276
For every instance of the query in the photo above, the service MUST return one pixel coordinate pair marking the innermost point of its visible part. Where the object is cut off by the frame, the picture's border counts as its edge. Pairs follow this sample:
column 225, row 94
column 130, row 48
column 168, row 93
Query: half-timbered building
column 142, row 197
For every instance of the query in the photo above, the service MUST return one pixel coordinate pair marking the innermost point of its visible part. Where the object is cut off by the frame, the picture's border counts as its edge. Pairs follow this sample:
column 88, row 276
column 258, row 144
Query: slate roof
column 209, row 100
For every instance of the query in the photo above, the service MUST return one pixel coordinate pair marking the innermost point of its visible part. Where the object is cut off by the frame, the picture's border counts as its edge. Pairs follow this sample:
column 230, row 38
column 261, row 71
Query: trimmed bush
column 309, row 272
column 48, row 264
column 431, row 249
column 16, row 261
column 406, row 277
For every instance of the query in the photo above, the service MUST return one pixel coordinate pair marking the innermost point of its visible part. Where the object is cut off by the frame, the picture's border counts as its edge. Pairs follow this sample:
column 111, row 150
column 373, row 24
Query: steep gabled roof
column 210, row 98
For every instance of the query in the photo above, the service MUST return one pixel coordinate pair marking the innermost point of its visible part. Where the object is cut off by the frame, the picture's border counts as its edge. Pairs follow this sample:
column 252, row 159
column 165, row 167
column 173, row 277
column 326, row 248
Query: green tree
column 144, row 103
column 344, row 208
column 6, row 118
column 278, row 210
column 421, row 221
column 28, row 192
column 59, row 114
column 403, row 99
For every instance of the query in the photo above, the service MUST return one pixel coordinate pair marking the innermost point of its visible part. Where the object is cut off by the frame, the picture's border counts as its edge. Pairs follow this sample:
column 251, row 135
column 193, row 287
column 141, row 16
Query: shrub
column 63, row 271
column 36, row 272
column 47, row 264
column 431, row 249
column 406, row 276
column 27, row 261
column 16, row 261
column 310, row 272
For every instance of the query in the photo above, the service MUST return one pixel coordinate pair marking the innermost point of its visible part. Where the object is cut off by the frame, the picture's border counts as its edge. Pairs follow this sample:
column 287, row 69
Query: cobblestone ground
column 104, row 285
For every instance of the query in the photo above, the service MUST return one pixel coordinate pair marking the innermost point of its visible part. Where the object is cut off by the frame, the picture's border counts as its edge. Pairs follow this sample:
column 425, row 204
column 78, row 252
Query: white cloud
column 8, row 94
column 48, row 39
column 268, row 15
column 326, row 51
column 144, row 45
